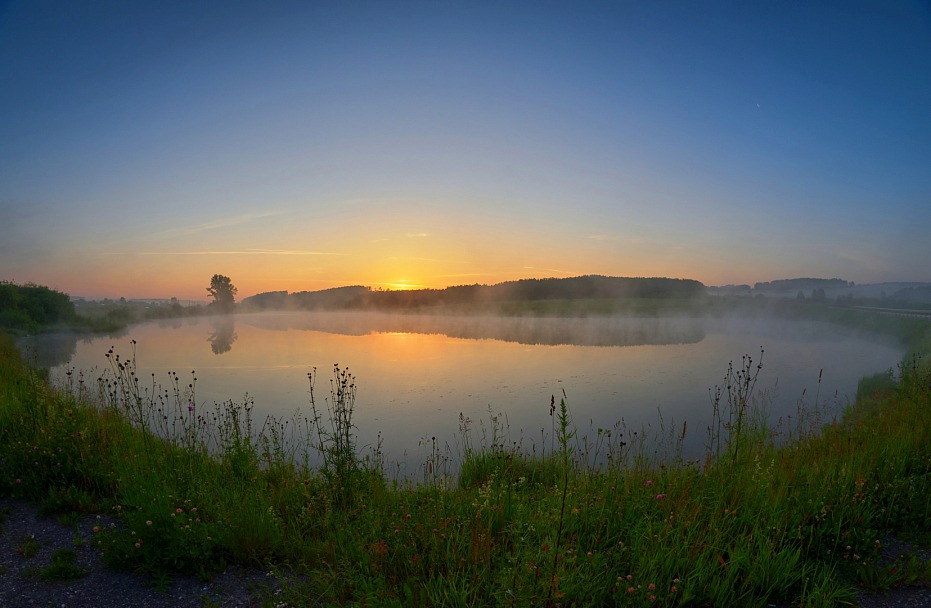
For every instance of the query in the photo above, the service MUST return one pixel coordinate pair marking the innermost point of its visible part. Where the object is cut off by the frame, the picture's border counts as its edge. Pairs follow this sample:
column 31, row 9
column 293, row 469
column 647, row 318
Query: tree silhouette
column 223, row 292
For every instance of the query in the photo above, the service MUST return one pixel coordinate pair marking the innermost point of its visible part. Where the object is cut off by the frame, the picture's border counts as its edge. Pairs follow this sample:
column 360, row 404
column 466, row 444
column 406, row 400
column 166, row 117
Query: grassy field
column 784, row 515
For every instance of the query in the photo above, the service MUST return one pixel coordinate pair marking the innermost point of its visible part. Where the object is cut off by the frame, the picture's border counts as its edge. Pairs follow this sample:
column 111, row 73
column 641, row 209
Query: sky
column 146, row 146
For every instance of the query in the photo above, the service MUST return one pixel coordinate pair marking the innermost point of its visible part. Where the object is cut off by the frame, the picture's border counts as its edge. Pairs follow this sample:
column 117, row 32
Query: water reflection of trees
column 578, row 331
column 45, row 351
column 223, row 336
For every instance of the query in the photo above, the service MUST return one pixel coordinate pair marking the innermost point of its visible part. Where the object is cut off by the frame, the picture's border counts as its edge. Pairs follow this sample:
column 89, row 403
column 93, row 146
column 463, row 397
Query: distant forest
column 525, row 290
column 801, row 284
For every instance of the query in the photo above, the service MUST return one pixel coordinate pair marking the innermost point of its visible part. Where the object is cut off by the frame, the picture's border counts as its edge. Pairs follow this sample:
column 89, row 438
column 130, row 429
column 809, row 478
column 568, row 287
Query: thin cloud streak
column 556, row 270
column 244, row 252
column 413, row 258
column 235, row 220
column 460, row 275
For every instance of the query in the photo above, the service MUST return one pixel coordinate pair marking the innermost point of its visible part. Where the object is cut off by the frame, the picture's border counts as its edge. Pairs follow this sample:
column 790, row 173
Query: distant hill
column 729, row 290
column 916, row 294
column 903, row 295
column 574, row 288
column 800, row 284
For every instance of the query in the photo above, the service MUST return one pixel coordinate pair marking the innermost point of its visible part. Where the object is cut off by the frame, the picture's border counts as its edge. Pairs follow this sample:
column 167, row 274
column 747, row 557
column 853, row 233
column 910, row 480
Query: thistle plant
column 336, row 441
column 565, row 434
column 737, row 393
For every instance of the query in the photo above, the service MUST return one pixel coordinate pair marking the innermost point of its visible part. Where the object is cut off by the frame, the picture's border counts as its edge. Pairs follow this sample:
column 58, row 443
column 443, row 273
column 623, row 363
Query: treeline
column 801, row 284
column 525, row 290
column 109, row 315
column 913, row 295
column 29, row 307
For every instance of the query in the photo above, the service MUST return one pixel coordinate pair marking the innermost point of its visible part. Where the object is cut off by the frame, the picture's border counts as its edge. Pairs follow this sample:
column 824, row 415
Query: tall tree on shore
column 223, row 292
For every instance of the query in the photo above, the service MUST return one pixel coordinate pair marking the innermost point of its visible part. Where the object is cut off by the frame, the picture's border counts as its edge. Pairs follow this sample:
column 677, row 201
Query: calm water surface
column 416, row 373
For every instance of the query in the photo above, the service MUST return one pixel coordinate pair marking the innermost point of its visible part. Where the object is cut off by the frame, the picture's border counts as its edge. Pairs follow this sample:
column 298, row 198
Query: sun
column 402, row 285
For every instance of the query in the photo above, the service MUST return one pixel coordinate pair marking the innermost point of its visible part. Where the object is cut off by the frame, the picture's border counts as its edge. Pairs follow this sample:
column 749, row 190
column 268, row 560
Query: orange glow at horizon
column 398, row 251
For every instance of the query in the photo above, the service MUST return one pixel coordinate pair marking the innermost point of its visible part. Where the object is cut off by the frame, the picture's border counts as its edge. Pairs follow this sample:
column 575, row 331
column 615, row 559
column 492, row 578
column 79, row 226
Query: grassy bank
column 754, row 523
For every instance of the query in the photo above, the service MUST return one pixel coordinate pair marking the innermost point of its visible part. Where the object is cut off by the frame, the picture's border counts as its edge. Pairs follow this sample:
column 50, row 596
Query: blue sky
column 297, row 145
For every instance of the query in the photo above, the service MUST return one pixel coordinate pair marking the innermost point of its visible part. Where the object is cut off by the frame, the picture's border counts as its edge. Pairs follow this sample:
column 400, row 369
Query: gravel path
column 902, row 597
column 21, row 585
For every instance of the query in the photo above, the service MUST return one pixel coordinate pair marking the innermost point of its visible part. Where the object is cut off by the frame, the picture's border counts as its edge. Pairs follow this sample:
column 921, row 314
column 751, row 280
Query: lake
column 415, row 374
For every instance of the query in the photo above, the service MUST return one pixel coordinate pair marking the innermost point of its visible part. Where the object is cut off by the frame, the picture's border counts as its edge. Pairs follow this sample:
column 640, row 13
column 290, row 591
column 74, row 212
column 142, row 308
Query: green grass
column 27, row 547
column 770, row 516
column 63, row 567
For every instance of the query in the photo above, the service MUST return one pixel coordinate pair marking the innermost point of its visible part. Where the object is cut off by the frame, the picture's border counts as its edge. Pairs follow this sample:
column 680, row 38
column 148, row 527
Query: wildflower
column 179, row 510
column 138, row 544
column 660, row 496
column 589, row 554
column 649, row 482
column 96, row 529
column 19, row 481
column 651, row 587
column 630, row 577
column 652, row 598
column 148, row 522
column 673, row 589
column 631, row 590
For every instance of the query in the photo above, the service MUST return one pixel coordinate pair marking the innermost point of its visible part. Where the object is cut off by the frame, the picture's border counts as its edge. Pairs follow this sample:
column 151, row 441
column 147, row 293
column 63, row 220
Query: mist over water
column 531, row 330
column 416, row 373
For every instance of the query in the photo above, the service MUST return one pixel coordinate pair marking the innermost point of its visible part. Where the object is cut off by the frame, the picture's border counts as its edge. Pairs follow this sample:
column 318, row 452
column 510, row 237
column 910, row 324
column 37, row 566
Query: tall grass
column 773, row 515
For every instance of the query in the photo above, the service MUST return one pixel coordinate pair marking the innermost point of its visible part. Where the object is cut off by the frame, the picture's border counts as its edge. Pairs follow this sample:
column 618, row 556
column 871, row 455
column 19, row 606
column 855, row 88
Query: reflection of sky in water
column 413, row 386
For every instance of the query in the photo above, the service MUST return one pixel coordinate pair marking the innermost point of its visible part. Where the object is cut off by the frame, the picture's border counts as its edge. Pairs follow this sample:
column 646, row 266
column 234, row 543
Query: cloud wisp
column 228, row 252
column 555, row 270
column 224, row 222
